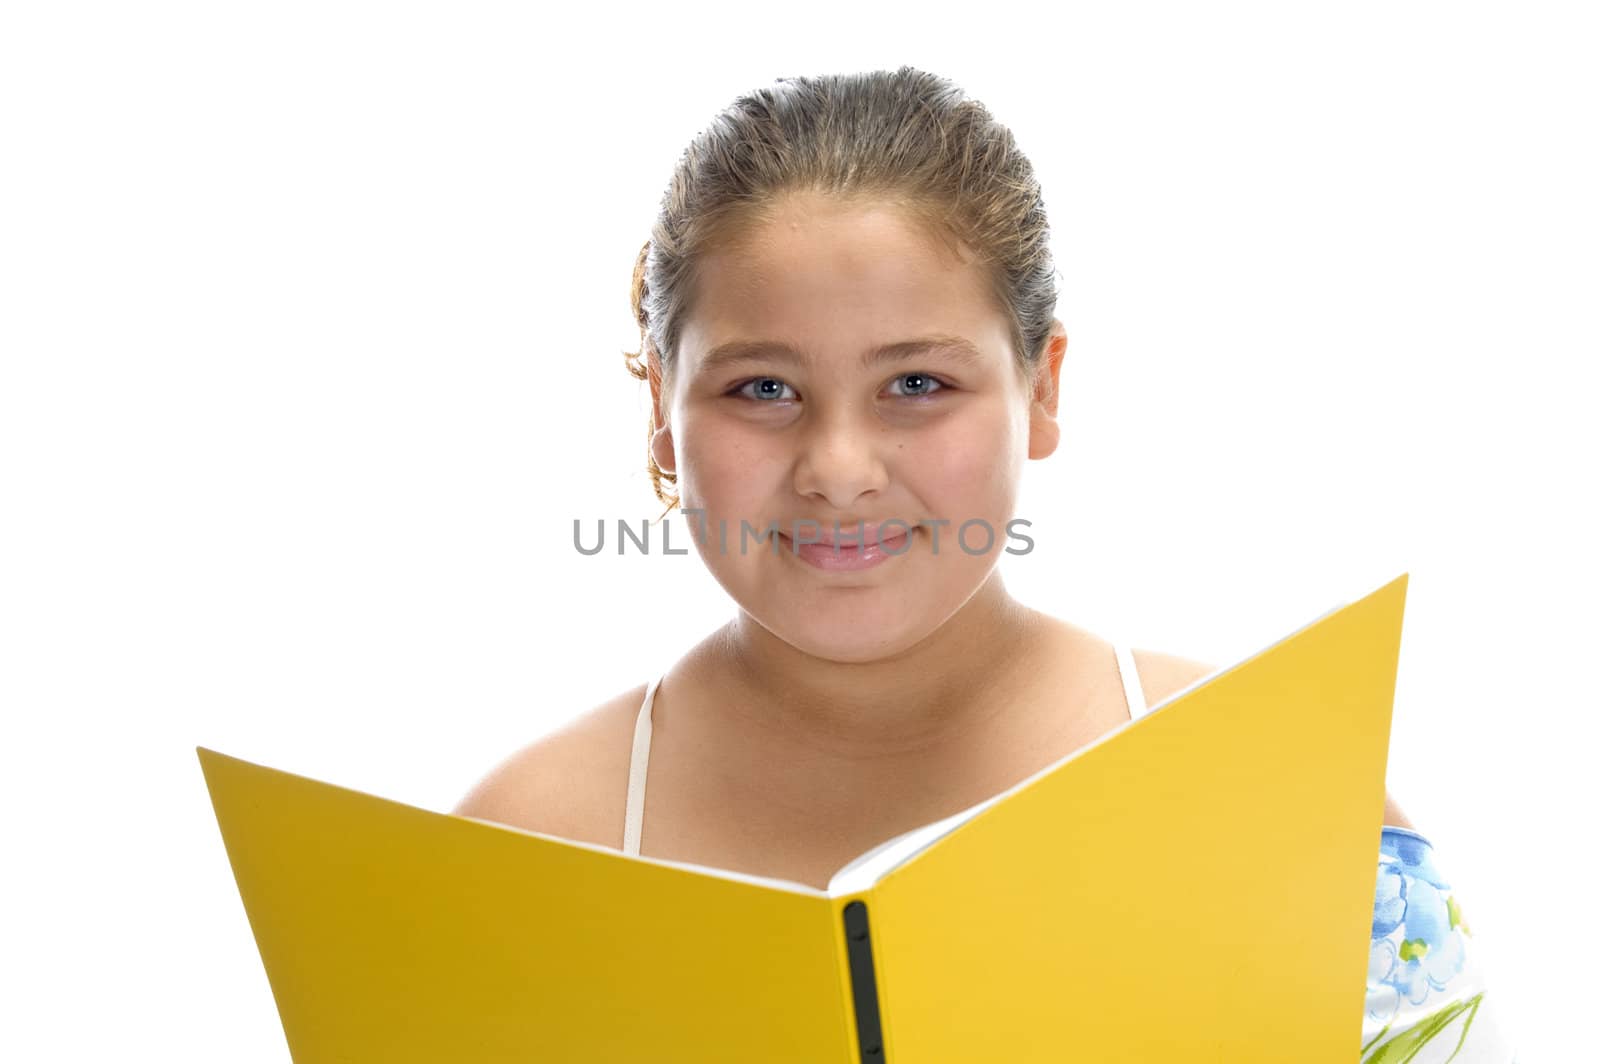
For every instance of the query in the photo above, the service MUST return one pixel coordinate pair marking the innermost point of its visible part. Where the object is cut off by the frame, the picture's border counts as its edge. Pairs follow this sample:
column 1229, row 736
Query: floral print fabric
column 1427, row 1003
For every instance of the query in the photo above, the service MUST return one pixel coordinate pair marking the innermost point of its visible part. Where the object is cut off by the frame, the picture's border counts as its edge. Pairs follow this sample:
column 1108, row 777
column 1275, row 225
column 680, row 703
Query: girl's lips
column 847, row 557
column 851, row 534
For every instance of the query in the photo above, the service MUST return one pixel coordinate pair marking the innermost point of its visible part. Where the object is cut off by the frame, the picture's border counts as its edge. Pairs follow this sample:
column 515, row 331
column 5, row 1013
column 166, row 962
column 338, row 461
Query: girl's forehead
column 835, row 279
column 841, row 229
column 830, row 315
column 842, row 267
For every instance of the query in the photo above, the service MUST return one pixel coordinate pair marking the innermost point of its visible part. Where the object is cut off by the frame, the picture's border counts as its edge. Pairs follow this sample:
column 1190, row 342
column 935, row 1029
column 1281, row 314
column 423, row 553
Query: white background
column 312, row 326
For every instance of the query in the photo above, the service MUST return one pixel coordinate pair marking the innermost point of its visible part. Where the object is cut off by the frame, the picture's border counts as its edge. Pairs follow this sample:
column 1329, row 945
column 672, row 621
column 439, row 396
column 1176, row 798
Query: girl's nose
column 841, row 460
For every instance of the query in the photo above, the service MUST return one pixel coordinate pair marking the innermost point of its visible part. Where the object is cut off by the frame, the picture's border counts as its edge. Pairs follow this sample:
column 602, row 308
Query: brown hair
column 907, row 136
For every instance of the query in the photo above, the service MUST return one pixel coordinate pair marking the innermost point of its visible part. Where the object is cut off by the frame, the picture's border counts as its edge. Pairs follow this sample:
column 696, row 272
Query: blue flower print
column 1417, row 929
column 1426, row 998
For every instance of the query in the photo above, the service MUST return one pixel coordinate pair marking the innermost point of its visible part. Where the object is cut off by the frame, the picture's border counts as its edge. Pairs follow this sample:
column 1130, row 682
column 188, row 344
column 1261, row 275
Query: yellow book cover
column 1197, row 886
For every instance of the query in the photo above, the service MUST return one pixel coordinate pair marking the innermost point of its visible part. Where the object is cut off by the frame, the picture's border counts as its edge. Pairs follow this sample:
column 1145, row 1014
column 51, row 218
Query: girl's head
column 846, row 309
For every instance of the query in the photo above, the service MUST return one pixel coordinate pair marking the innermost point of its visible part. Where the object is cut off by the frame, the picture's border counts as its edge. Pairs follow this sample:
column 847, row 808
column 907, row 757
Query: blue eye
column 769, row 388
column 924, row 380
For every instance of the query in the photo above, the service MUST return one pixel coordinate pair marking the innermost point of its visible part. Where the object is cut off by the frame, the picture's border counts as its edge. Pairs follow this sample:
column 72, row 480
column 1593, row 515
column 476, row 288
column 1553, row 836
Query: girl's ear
column 661, row 447
column 1044, row 431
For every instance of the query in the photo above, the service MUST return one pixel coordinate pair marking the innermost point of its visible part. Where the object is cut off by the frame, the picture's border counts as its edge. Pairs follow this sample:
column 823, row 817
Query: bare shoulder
column 570, row 783
column 1163, row 675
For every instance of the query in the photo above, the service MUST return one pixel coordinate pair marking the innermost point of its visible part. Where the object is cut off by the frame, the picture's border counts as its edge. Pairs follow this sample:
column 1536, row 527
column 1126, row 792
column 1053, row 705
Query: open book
column 1195, row 886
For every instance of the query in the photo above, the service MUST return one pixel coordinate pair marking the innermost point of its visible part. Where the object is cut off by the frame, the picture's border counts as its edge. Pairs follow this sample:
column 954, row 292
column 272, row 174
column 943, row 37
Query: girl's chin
column 845, row 634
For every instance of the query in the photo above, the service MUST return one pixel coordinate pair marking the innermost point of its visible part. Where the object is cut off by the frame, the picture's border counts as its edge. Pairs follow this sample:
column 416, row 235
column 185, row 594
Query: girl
column 846, row 309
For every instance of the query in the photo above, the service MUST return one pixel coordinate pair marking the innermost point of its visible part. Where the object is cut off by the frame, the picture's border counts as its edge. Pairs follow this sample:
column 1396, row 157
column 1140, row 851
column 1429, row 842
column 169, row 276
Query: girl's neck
column 937, row 694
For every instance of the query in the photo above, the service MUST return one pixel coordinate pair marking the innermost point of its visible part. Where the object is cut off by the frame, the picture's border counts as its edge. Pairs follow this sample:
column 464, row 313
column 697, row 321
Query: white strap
column 638, row 767
column 633, row 823
column 1132, row 689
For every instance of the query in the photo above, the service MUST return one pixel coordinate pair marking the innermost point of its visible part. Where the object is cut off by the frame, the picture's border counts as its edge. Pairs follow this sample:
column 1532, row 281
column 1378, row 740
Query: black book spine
column 863, row 983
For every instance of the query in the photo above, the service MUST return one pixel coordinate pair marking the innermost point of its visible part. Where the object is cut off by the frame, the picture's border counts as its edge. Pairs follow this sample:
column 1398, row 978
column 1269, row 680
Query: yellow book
column 1196, row 886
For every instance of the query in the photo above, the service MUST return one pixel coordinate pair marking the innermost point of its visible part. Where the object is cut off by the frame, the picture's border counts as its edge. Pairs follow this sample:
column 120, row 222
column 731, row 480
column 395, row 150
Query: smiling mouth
column 854, row 534
column 842, row 557
column 848, row 543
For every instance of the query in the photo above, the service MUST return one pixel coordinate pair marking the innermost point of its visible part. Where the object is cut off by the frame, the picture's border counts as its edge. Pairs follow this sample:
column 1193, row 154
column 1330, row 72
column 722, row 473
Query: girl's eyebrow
column 738, row 352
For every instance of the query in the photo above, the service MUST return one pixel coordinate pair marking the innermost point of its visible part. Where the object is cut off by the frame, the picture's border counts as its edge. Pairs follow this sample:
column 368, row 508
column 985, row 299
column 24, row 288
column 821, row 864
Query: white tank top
column 639, row 766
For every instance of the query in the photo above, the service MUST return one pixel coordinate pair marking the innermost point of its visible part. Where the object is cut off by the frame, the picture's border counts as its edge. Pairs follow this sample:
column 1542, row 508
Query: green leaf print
column 1413, row 949
column 1405, row 1046
column 1456, row 917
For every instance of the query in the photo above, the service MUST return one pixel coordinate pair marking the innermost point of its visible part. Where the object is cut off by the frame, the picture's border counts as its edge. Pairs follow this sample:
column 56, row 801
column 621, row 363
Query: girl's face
column 804, row 392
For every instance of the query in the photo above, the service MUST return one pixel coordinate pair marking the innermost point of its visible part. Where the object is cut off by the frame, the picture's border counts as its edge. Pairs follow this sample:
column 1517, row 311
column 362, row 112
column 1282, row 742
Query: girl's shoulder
column 1162, row 675
column 571, row 782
